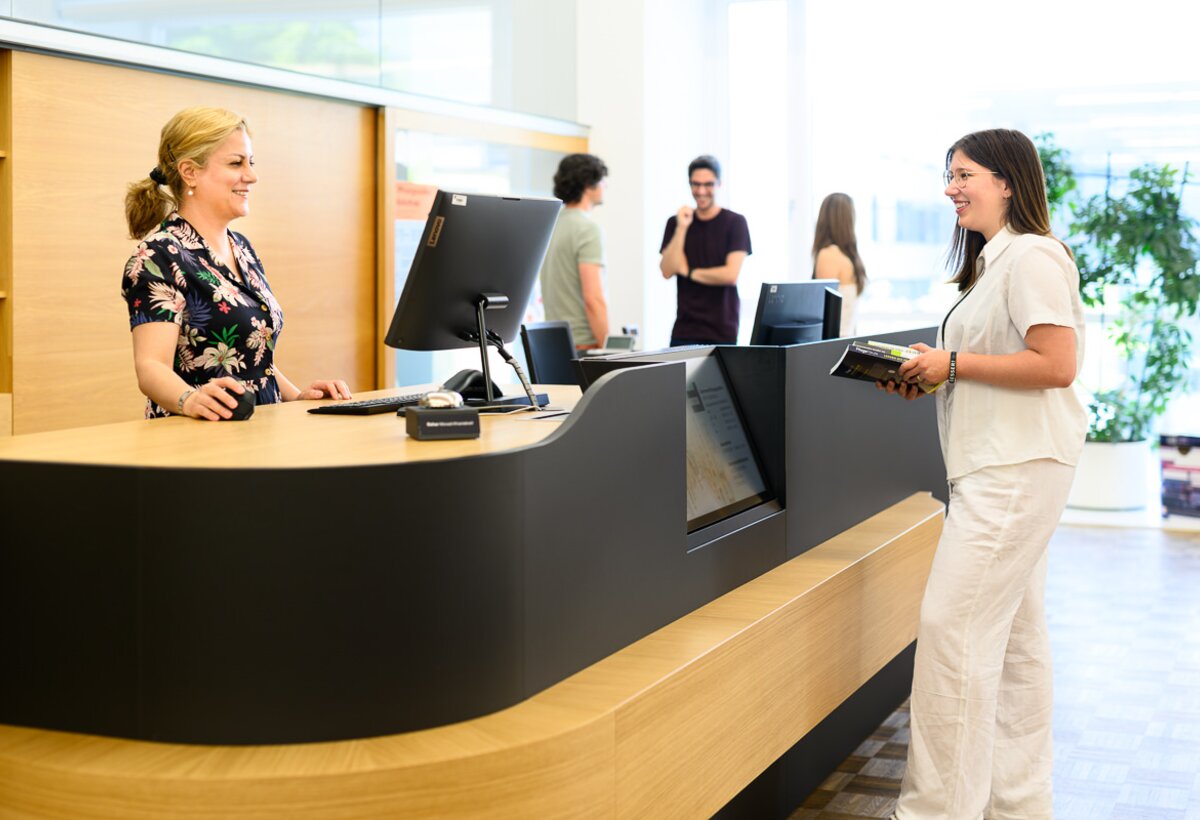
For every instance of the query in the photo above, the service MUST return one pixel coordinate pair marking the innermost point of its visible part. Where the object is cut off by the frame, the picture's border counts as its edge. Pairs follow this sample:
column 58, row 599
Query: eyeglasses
column 959, row 179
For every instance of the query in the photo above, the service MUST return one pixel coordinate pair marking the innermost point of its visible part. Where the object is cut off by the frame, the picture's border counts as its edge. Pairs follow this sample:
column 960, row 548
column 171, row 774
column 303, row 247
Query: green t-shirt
column 577, row 240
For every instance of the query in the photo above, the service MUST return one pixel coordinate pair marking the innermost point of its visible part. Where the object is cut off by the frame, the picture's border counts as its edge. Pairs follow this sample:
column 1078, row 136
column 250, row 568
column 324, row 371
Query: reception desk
column 317, row 616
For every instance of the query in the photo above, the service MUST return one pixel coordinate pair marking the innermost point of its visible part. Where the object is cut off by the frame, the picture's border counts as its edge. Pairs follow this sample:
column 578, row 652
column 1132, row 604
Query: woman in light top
column 1011, row 430
column 835, row 255
column 204, row 320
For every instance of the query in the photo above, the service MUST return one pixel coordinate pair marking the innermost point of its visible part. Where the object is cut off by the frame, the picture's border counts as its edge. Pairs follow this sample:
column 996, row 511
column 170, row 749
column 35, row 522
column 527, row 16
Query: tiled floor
column 1124, row 611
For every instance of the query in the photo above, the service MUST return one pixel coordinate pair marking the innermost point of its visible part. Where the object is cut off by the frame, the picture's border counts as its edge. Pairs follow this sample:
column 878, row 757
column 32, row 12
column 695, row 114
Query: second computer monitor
column 793, row 312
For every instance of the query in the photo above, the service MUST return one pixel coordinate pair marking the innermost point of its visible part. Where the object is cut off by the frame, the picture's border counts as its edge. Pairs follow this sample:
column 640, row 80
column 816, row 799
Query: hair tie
column 158, row 176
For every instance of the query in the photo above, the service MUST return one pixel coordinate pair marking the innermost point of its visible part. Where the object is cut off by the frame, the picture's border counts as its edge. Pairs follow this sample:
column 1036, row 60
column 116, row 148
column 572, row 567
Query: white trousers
column 982, row 687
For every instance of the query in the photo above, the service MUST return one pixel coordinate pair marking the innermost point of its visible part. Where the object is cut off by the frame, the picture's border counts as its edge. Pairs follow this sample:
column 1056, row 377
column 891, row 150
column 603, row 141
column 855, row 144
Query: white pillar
column 651, row 84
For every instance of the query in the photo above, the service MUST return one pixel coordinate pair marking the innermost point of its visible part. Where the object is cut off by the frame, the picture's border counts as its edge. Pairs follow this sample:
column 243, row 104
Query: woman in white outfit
column 1011, row 430
column 835, row 256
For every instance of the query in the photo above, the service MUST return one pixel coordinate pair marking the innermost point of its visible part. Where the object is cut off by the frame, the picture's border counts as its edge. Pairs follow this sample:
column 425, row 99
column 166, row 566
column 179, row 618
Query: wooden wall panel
column 81, row 132
column 5, row 243
column 385, row 243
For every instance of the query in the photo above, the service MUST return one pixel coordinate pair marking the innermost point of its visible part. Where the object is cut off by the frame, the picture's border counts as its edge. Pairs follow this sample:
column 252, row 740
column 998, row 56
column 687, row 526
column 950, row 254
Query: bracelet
column 184, row 397
column 690, row 272
column 953, row 366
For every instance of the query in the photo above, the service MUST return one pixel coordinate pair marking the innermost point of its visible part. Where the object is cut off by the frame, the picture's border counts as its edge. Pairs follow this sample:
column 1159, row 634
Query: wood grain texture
column 671, row 726
column 81, row 131
column 6, row 231
column 279, row 435
column 5, row 414
column 385, row 215
column 810, row 633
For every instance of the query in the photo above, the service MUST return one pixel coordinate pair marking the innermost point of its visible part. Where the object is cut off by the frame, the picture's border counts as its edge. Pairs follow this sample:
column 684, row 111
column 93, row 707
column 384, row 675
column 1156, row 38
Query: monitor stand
column 497, row 403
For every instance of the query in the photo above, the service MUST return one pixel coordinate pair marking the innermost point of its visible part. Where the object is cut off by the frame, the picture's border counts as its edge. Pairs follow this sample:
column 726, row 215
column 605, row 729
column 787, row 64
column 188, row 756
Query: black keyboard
column 367, row 407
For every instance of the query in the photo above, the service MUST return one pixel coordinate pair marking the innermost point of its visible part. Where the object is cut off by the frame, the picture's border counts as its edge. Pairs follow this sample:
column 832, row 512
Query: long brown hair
column 1014, row 158
column 835, row 226
column 193, row 133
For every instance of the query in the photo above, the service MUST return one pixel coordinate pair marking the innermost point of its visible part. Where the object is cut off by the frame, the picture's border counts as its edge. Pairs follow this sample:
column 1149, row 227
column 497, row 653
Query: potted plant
column 1056, row 167
column 1137, row 258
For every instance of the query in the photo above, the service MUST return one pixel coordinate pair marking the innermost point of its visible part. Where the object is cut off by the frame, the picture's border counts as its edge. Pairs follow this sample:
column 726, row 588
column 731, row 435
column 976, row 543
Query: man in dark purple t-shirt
column 703, row 249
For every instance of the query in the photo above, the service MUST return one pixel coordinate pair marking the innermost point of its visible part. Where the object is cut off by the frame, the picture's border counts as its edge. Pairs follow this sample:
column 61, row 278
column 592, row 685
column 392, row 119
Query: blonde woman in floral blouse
column 203, row 318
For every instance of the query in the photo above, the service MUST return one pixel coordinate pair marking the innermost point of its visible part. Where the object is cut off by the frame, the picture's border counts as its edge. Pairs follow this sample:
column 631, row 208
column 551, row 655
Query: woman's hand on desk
column 324, row 388
column 214, row 400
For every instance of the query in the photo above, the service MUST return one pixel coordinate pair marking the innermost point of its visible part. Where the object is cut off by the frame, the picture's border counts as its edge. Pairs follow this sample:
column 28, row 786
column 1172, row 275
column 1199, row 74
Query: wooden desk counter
column 672, row 726
column 278, row 580
column 279, row 435
column 390, row 630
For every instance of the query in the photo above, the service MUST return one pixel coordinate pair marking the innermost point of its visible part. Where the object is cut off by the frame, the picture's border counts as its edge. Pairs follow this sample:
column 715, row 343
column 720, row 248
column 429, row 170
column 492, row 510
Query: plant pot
column 1111, row 476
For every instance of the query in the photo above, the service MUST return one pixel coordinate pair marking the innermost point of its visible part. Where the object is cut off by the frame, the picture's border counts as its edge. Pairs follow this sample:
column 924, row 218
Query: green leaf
column 227, row 336
column 151, row 268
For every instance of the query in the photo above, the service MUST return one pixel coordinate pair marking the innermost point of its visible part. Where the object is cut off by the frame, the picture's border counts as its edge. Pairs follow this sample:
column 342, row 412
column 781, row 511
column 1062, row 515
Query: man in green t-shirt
column 572, row 288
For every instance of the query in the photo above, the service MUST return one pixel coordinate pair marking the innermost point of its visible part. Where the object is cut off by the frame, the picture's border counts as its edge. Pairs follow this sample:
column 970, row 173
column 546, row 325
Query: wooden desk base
column 672, row 726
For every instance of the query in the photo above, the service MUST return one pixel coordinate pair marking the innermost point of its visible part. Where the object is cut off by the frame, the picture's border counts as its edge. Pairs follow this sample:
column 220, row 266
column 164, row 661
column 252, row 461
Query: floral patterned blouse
column 228, row 320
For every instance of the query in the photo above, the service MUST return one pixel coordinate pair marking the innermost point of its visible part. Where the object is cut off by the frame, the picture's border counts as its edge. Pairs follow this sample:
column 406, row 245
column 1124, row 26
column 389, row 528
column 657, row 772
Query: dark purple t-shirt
column 709, row 313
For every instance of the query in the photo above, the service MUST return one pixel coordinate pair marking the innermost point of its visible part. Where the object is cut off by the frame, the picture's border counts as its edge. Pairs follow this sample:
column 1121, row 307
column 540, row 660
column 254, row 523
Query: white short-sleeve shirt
column 1026, row 280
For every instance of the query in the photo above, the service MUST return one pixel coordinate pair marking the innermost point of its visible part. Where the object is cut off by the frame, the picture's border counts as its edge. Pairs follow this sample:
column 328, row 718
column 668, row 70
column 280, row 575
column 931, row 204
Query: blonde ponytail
column 146, row 205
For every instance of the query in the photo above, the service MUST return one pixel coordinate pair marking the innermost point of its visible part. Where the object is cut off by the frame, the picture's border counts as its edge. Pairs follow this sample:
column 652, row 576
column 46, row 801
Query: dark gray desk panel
column 852, row 450
column 607, row 566
column 69, row 647
column 377, row 603
column 326, row 604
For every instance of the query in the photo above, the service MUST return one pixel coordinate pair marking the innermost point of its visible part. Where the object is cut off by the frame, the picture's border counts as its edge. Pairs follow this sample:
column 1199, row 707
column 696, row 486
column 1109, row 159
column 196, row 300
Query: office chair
column 549, row 350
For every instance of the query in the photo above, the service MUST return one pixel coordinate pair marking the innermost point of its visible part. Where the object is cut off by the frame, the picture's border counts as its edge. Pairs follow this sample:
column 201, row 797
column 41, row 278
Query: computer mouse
column 245, row 405
column 470, row 384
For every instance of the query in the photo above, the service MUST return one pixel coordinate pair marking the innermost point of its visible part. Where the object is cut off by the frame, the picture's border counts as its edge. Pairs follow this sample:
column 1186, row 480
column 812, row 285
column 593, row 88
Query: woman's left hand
column 932, row 366
column 325, row 388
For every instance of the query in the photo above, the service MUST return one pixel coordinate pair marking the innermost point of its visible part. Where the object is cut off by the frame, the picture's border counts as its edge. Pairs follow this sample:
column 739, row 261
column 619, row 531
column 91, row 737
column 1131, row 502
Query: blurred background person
column 703, row 249
column 835, row 256
column 572, row 273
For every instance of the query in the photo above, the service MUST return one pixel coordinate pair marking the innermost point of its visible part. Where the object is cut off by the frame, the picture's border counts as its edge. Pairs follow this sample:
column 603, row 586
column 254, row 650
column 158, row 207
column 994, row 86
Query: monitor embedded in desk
column 724, row 476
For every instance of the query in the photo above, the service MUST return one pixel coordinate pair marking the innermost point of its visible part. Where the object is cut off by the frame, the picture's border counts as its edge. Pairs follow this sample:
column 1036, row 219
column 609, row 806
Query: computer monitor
column 793, row 312
column 724, row 476
column 473, row 273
